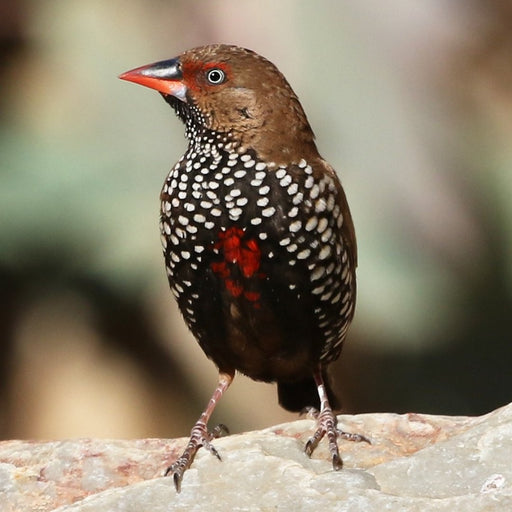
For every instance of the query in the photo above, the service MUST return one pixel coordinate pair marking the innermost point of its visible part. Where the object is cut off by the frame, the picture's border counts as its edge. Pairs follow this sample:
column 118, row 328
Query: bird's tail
column 298, row 395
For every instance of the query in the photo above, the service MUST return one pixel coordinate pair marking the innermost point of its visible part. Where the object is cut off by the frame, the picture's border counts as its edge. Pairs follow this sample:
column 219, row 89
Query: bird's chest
column 225, row 211
column 250, row 241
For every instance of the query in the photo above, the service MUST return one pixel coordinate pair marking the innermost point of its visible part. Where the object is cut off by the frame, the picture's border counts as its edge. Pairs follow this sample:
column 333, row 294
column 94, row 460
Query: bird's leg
column 327, row 426
column 199, row 435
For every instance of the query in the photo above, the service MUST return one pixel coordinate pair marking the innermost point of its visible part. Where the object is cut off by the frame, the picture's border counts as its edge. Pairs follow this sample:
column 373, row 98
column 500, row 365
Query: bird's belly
column 258, row 340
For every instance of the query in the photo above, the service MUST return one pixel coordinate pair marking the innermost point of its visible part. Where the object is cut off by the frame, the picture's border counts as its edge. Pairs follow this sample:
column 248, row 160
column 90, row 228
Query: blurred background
column 411, row 103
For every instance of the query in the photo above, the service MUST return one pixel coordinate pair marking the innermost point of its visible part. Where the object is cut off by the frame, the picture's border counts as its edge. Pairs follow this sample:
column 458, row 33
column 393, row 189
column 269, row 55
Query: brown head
column 233, row 91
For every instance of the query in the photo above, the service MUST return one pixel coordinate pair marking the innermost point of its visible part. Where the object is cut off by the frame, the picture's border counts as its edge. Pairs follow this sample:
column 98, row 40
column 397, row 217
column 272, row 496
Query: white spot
column 280, row 173
column 311, row 224
column 336, row 298
column 260, row 175
column 182, row 195
column 263, row 236
column 264, row 190
column 249, row 164
column 256, row 221
column 174, row 239
column 199, row 249
column 327, row 235
column 191, row 229
column 297, row 199
column 309, row 182
column 317, row 273
column 216, row 212
column 292, row 248
column 268, row 212
column 183, row 220
column 175, row 257
column 229, row 181
column 198, row 217
column 262, row 201
column 293, row 212
column 295, row 226
column 240, row 174
column 235, row 192
column 292, row 286
column 285, row 181
column 206, row 205
column 260, row 166
column 325, row 252
column 318, row 290
column 302, row 255
column 234, row 213
column 209, row 225
column 322, row 224
column 256, row 183
column 242, row 201
column 213, row 185
column 326, row 296
column 320, row 205
column 167, row 228
column 302, row 163
column 292, row 189
column 189, row 207
column 284, row 241
column 315, row 191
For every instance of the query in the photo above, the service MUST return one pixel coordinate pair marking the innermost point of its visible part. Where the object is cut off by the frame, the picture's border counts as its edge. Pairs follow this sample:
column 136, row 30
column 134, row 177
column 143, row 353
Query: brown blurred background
column 412, row 104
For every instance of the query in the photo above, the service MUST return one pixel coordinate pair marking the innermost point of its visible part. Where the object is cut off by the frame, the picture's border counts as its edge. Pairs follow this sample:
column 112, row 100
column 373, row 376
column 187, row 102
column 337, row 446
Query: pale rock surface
column 415, row 463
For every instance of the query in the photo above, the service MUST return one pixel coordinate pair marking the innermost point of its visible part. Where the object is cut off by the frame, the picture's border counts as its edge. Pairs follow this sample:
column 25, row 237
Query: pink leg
column 199, row 435
column 327, row 425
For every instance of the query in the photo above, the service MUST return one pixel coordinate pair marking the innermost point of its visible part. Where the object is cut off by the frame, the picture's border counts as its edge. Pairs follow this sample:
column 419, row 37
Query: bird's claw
column 199, row 436
column 327, row 426
column 350, row 436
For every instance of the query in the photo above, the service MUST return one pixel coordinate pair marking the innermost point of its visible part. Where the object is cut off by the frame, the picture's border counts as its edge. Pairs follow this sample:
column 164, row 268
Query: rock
column 416, row 462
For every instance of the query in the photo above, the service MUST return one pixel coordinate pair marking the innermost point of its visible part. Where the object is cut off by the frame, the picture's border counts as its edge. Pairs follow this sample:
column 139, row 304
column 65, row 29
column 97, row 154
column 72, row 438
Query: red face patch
column 194, row 74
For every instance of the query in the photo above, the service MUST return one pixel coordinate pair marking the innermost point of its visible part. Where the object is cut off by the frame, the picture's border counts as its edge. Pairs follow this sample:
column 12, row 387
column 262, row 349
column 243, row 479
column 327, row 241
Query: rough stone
column 416, row 462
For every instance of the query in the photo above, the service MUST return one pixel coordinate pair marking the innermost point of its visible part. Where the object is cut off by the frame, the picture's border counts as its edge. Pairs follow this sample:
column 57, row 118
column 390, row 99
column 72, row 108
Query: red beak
column 164, row 76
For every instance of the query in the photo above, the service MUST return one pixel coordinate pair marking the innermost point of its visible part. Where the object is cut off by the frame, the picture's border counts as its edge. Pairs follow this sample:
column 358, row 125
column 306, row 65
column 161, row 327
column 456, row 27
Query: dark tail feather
column 296, row 396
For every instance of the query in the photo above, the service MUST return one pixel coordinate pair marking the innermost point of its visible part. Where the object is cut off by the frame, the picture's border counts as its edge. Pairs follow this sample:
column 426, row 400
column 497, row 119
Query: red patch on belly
column 239, row 253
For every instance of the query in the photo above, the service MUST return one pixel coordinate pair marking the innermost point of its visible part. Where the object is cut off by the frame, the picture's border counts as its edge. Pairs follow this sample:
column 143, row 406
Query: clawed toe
column 199, row 437
column 327, row 426
column 349, row 436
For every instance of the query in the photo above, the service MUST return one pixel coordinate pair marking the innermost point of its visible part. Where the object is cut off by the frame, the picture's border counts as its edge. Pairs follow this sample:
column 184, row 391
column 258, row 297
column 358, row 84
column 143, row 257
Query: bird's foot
column 199, row 436
column 327, row 426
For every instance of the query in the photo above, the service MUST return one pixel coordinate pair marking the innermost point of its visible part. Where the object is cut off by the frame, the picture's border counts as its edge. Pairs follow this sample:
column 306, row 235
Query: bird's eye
column 215, row 76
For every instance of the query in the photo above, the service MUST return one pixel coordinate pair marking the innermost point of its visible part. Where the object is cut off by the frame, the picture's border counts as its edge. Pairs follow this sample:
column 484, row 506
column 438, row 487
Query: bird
column 258, row 240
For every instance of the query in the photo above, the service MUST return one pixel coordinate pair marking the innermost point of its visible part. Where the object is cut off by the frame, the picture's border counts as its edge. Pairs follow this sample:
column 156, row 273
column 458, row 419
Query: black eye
column 215, row 76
